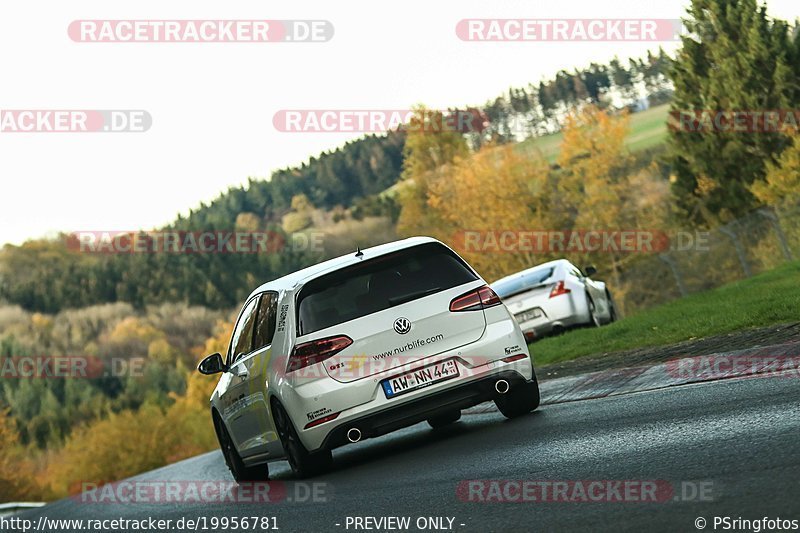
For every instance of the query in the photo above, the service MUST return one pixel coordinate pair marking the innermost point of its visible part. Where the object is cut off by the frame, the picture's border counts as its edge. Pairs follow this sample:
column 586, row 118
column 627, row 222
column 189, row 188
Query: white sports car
column 554, row 296
column 359, row 346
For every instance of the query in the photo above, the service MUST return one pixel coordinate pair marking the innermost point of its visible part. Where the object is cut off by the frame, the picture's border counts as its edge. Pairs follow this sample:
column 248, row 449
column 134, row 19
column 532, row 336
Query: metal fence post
column 739, row 249
column 673, row 266
column 776, row 225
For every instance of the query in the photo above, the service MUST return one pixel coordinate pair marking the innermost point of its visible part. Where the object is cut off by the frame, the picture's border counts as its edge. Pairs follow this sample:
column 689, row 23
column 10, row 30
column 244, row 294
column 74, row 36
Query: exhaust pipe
column 354, row 435
column 501, row 386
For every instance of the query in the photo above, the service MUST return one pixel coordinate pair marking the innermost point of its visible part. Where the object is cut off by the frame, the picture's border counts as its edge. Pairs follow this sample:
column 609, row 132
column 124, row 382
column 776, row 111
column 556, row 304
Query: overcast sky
column 212, row 104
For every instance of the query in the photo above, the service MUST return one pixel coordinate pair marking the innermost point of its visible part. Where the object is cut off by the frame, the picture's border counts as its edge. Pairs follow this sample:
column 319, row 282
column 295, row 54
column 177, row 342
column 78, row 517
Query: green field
column 648, row 129
column 769, row 298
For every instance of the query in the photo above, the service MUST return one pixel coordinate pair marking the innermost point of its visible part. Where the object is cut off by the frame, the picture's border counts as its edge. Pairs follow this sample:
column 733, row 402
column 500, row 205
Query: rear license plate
column 417, row 379
column 528, row 315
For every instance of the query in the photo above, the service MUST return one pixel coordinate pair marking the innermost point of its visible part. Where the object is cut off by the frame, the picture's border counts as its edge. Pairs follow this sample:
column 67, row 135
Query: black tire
column 446, row 419
column 241, row 473
column 304, row 464
column 593, row 320
column 612, row 307
column 521, row 399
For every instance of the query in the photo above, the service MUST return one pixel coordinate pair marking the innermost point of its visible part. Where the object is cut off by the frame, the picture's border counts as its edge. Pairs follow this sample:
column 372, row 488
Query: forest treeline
column 44, row 275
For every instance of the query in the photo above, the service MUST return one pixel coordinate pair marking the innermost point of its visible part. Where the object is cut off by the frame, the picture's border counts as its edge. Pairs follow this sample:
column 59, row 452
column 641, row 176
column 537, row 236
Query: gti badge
column 402, row 325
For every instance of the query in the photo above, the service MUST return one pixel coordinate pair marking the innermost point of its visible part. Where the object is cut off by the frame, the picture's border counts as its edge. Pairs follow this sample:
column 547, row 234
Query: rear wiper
column 397, row 300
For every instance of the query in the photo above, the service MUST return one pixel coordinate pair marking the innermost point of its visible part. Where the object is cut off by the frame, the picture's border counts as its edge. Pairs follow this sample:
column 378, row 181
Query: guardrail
column 759, row 241
column 15, row 507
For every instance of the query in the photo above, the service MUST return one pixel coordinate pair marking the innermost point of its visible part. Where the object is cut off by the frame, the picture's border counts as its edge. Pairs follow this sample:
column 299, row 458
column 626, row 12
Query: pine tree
column 734, row 58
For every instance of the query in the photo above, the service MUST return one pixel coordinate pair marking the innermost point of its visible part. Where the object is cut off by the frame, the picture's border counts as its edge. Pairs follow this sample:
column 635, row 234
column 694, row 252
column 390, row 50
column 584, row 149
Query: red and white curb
column 779, row 360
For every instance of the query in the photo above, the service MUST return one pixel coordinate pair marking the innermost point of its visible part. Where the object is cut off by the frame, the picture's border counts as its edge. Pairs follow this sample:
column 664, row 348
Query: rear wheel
column 240, row 471
column 612, row 308
column 594, row 321
column 519, row 400
column 446, row 419
column 303, row 463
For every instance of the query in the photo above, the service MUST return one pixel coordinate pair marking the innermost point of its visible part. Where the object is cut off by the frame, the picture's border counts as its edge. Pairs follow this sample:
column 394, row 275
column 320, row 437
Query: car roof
column 527, row 271
column 314, row 271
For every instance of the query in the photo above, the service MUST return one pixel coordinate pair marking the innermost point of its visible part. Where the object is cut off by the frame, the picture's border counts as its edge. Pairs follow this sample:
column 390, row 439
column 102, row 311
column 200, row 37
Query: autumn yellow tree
column 130, row 442
column 493, row 191
column 781, row 185
column 13, row 483
column 247, row 222
column 429, row 149
column 191, row 415
column 598, row 189
column 299, row 218
column 123, row 444
column 219, row 342
column 593, row 159
column 131, row 337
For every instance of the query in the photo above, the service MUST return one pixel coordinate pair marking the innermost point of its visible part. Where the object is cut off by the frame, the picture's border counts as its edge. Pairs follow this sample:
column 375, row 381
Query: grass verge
column 769, row 298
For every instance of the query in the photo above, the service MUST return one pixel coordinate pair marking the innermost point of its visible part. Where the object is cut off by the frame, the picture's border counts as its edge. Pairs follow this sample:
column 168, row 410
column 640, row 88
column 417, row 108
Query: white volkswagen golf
column 359, row 346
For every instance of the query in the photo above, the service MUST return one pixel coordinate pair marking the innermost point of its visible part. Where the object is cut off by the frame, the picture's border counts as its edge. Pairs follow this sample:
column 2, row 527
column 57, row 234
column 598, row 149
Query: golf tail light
column 559, row 289
column 313, row 352
column 476, row 299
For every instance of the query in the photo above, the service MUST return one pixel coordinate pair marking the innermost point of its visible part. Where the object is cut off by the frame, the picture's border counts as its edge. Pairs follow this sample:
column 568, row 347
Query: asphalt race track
column 739, row 439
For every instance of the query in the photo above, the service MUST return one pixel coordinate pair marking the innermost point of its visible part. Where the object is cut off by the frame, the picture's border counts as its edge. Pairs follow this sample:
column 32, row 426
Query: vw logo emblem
column 402, row 325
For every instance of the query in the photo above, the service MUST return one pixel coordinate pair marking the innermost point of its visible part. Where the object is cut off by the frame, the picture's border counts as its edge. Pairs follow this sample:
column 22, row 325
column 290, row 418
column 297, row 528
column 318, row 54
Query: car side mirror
column 590, row 271
column 212, row 364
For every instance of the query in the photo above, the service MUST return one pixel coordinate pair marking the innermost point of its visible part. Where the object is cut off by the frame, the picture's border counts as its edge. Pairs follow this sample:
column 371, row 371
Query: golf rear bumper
column 409, row 413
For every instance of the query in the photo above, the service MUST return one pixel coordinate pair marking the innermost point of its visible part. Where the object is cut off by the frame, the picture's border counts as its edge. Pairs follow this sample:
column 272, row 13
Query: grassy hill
column 648, row 129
